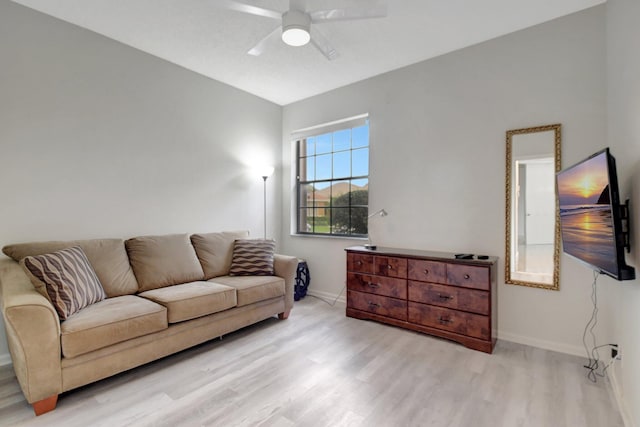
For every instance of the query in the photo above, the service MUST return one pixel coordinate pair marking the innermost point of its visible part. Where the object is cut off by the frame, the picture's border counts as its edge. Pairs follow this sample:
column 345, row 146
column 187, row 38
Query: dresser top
column 419, row 254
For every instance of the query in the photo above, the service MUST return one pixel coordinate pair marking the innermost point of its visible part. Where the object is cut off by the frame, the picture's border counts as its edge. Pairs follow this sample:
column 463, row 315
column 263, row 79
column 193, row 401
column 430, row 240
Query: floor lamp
column 266, row 172
column 379, row 212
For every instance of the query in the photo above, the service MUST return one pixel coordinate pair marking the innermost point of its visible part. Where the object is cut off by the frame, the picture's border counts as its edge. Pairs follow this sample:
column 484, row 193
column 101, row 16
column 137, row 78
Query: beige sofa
column 164, row 294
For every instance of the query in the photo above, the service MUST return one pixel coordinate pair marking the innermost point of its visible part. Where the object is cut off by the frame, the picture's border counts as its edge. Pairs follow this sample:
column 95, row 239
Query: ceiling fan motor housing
column 295, row 28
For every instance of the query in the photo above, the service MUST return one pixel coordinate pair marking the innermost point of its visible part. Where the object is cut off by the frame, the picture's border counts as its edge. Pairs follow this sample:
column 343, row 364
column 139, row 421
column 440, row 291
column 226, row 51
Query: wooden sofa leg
column 284, row 315
column 45, row 405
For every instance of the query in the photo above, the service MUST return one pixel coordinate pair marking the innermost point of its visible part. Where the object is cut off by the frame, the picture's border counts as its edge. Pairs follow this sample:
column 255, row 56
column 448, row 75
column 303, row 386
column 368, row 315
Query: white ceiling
column 203, row 37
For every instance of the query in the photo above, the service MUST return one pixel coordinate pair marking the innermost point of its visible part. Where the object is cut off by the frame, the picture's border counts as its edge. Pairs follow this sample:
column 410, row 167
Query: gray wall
column 100, row 140
column 438, row 158
column 621, row 301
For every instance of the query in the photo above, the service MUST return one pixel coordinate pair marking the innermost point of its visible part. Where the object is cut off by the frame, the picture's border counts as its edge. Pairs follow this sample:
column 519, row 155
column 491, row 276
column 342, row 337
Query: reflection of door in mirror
column 536, row 205
column 532, row 233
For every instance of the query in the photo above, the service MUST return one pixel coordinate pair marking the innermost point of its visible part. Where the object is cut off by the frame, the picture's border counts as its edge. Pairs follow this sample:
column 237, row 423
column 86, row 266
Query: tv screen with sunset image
column 586, row 215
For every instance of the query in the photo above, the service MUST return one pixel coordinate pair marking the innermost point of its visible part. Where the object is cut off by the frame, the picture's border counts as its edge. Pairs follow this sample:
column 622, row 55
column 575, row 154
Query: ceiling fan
column 298, row 25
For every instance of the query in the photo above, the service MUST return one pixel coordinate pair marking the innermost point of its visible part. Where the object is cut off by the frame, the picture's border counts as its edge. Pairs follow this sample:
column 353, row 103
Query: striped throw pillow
column 69, row 279
column 252, row 257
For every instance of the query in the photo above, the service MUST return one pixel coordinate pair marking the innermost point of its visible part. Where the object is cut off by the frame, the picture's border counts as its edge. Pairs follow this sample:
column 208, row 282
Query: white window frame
column 302, row 134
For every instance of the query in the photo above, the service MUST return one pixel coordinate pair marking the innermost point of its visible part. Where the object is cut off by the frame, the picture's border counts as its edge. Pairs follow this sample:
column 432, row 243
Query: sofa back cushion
column 160, row 261
column 215, row 251
column 108, row 258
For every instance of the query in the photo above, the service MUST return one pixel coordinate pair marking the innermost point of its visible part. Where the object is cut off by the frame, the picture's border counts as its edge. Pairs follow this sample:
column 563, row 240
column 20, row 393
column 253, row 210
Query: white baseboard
column 616, row 390
column 5, row 359
column 544, row 344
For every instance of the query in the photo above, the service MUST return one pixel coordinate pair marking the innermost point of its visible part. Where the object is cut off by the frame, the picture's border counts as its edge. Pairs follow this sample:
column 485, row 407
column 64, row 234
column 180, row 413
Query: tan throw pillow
column 68, row 278
column 215, row 251
column 160, row 261
column 252, row 258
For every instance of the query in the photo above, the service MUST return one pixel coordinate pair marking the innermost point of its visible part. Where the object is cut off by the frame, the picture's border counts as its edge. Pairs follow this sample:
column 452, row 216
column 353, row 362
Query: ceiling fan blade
column 349, row 14
column 247, row 8
column 262, row 44
column 322, row 44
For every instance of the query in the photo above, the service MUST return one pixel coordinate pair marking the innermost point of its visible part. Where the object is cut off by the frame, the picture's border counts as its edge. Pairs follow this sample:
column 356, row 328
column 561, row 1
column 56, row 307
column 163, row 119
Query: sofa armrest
column 33, row 334
column 286, row 266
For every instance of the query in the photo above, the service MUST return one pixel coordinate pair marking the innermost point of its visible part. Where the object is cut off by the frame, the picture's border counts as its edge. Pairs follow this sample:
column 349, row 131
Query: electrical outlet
column 615, row 352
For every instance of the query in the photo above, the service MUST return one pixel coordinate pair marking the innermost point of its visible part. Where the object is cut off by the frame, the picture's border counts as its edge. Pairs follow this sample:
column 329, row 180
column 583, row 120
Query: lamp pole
column 266, row 172
column 264, row 177
column 369, row 245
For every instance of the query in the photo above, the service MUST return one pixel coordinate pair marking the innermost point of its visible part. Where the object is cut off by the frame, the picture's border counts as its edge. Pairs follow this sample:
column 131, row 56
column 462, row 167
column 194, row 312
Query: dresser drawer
column 391, row 266
column 450, row 297
column 427, row 271
column 468, row 276
column 473, row 325
column 360, row 263
column 388, row 286
column 381, row 305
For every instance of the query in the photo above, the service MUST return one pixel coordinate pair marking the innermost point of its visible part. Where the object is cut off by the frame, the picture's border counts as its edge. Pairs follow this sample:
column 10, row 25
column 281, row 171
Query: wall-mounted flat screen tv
column 591, row 215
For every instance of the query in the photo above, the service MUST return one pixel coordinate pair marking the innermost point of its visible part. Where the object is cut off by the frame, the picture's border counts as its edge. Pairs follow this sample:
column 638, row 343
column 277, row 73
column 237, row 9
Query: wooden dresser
column 430, row 292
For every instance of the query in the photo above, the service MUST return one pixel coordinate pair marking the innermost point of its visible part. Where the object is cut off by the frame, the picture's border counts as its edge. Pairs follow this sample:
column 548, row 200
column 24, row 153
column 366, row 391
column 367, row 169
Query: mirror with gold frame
column 532, row 215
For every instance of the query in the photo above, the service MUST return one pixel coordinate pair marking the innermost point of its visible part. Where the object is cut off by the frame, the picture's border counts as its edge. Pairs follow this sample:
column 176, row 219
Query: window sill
column 329, row 236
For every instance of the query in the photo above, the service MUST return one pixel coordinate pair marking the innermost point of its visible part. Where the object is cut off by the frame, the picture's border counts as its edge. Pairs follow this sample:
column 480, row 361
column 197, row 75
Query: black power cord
column 332, row 304
column 594, row 363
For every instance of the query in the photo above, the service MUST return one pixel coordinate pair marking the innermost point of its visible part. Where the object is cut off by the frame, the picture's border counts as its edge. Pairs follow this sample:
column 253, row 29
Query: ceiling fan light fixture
column 295, row 28
column 295, row 36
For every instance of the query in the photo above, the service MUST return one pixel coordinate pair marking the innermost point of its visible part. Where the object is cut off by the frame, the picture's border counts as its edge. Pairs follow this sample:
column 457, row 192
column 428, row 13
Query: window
column 333, row 179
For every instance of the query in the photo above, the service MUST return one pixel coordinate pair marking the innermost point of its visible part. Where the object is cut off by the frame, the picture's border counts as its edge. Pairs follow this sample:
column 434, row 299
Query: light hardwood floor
column 320, row 368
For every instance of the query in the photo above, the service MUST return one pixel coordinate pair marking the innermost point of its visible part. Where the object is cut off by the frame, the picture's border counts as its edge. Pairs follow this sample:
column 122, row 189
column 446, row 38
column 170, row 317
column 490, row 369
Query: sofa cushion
column 108, row 258
column 191, row 300
column 252, row 257
column 68, row 278
column 215, row 250
column 109, row 322
column 160, row 261
column 250, row 289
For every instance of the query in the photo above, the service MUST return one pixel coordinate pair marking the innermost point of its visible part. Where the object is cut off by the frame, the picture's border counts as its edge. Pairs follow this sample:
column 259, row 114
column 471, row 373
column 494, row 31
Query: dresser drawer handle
column 445, row 297
column 426, row 271
column 373, row 304
column 373, row 285
column 467, row 277
column 389, row 267
column 444, row 320
column 359, row 262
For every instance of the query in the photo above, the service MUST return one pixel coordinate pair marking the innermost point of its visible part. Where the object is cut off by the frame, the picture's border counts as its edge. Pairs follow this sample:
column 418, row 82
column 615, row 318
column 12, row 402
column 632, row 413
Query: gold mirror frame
column 554, row 285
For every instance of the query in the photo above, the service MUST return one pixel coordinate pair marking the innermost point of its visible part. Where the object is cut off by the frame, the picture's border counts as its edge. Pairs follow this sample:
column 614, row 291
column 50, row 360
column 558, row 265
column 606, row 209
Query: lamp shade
column 265, row 171
column 379, row 212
